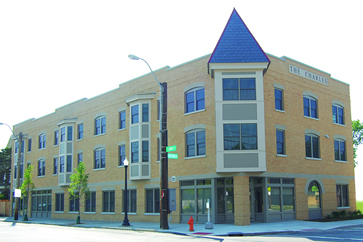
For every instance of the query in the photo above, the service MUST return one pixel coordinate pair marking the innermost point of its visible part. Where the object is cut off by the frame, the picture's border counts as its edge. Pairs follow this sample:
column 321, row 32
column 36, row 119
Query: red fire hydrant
column 191, row 224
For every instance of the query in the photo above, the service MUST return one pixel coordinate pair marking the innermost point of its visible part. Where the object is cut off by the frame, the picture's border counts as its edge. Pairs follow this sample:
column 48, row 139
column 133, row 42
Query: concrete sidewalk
column 199, row 229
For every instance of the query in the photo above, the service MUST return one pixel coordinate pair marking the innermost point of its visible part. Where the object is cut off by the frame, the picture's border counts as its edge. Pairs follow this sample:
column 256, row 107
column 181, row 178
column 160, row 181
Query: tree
column 79, row 186
column 357, row 128
column 27, row 187
column 5, row 171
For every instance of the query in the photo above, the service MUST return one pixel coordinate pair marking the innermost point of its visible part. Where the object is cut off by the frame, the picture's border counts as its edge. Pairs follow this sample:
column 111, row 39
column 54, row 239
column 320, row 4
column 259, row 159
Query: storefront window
column 188, row 201
column 288, row 198
column 204, row 182
column 203, row 195
column 274, row 199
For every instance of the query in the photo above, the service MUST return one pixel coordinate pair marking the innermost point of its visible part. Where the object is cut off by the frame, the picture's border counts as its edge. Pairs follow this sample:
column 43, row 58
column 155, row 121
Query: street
column 13, row 232
column 354, row 233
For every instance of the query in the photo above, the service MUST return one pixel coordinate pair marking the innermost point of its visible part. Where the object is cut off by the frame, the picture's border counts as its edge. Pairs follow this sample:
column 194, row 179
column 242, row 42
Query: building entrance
column 42, row 204
column 314, row 200
column 256, row 200
column 225, row 201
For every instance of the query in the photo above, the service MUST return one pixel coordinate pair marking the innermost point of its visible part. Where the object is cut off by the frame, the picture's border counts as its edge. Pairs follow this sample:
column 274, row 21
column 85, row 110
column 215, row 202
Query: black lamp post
column 126, row 219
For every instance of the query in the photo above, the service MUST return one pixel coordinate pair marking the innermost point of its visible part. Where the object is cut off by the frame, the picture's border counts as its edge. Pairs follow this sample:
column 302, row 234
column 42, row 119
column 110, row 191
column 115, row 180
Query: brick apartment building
column 264, row 138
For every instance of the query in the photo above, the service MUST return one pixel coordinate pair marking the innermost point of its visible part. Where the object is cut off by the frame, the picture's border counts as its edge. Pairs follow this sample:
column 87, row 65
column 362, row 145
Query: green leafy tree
column 5, row 171
column 357, row 128
column 26, row 188
column 79, row 186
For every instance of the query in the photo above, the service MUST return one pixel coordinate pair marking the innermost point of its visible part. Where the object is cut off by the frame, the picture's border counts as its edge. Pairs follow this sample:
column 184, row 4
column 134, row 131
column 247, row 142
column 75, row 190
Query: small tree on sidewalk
column 79, row 186
column 26, row 188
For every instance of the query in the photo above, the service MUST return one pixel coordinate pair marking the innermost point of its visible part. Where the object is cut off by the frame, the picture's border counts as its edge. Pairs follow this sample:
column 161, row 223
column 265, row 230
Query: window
column 42, row 141
column 41, row 167
column 239, row 89
column 55, row 166
column 29, row 145
column 131, row 198
column 240, row 136
column 145, row 151
column 152, row 200
column 17, row 147
column 100, row 159
column 274, row 198
column 79, row 158
column 195, row 194
column 90, row 202
column 342, row 196
column 135, row 152
column 69, row 133
column 59, row 202
column 278, row 100
column 63, row 134
column 69, row 163
column 135, row 114
column 195, row 143
column 100, row 125
column 56, row 137
column 108, row 205
column 339, row 150
column 194, row 100
column 310, row 107
column 338, row 114
column 280, row 142
column 74, row 203
column 122, row 154
column 145, row 112
column 122, row 116
column 80, row 131
column 312, row 146
column 61, row 164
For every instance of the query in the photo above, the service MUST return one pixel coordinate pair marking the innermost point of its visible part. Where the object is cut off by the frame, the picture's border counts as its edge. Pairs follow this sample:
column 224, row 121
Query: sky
column 56, row 52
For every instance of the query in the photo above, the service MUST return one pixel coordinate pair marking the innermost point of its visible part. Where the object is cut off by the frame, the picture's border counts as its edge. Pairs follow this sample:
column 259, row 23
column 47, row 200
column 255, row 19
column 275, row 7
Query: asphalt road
column 20, row 232
column 14, row 232
column 341, row 234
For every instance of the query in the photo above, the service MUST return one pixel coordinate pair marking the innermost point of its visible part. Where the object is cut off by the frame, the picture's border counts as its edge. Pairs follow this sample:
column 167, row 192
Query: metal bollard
column 209, row 224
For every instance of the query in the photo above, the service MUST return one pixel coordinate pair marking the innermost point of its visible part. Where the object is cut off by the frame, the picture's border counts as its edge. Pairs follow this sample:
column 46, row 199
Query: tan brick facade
column 293, row 165
column 238, row 148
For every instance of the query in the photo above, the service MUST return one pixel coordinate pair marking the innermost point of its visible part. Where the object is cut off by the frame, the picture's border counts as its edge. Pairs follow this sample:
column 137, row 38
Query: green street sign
column 173, row 156
column 171, row 148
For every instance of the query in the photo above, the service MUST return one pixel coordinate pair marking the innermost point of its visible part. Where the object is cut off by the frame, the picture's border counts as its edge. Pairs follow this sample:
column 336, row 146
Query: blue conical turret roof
column 237, row 44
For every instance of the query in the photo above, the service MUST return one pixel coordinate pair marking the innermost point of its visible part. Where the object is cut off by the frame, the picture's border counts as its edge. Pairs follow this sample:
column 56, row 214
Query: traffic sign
column 173, row 156
column 171, row 148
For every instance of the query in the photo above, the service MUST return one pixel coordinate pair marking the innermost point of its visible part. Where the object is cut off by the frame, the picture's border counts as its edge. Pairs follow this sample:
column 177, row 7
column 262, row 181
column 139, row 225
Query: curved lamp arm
column 134, row 57
column 11, row 130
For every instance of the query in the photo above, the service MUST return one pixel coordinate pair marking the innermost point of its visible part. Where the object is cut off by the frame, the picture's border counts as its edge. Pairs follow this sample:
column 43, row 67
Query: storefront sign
column 307, row 74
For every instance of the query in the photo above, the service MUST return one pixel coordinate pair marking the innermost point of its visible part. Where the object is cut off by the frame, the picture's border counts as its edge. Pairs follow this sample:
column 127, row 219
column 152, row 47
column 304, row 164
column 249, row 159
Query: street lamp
column 20, row 143
column 126, row 220
column 163, row 143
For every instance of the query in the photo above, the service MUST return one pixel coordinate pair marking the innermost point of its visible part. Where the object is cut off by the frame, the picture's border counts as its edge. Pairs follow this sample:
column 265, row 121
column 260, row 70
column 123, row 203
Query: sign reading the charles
column 307, row 74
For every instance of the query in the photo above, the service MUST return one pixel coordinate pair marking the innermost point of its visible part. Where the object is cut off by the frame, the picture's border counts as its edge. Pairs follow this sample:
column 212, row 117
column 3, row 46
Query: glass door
column 225, row 201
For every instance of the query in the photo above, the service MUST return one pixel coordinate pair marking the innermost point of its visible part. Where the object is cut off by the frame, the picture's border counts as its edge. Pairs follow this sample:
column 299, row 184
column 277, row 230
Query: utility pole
column 17, row 185
column 164, row 188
